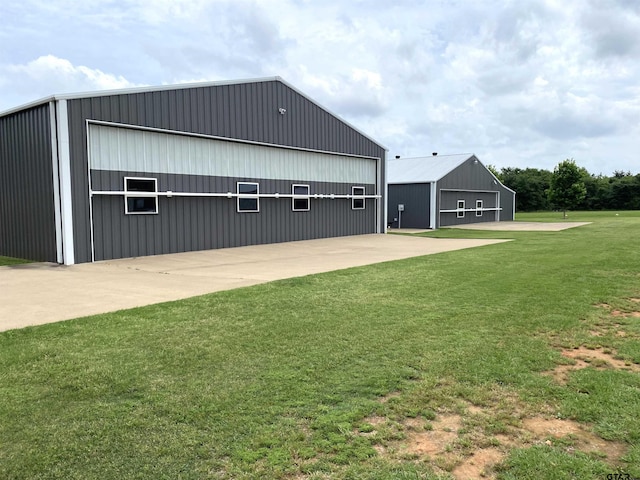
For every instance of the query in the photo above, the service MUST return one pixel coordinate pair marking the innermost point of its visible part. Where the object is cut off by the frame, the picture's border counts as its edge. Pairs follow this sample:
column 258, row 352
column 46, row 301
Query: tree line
column 570, row 187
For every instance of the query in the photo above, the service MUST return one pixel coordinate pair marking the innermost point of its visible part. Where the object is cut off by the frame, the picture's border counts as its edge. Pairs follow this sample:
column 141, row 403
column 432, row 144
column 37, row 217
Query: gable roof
column 180, row 86
column 423, row 169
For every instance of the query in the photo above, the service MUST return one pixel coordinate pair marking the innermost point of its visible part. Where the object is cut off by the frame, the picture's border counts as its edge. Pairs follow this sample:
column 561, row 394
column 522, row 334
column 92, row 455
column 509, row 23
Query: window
column 300, row 204
column 357, row 202
column 460, row 209
column 478, row 208
column 248, row 200
column 134, row 202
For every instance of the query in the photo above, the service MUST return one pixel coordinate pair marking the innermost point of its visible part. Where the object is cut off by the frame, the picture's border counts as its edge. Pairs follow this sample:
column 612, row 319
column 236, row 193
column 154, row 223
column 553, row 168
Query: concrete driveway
column 521, row 226
column 39, row 293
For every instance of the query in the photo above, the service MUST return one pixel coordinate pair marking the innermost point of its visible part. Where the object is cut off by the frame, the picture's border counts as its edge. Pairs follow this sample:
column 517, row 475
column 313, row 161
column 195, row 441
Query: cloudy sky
column 520, row 83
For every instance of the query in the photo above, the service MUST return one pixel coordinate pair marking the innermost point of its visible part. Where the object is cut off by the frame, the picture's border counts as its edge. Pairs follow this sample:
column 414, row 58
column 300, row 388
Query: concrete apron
column 521, row 226
column 39, row 293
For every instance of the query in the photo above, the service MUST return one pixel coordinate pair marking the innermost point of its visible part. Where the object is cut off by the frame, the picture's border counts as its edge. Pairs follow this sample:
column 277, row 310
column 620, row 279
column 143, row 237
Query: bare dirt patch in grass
column 579, row 438
column 476, row 466
column 442, row 433
column 620, row 313
column 466, row 446
column 596, row 358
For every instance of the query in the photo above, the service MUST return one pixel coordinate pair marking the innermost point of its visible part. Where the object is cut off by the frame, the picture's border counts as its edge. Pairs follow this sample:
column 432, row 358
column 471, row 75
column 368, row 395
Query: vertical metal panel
column 507, row 203
column 416, row 198
column 193, row 223
column 247, row 111
column 475, row 176
column 449, row 200
column 27, row 210
column 120, row 148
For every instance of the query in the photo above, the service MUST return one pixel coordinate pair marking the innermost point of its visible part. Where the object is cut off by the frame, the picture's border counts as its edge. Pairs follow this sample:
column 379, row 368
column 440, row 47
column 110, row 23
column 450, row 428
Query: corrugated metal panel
column 114, row 148
column 187, row 224
column 247, row 111
column 507, row 202
column 449, row 201
column 27, row 218
column 470, row 175
column 416, row 199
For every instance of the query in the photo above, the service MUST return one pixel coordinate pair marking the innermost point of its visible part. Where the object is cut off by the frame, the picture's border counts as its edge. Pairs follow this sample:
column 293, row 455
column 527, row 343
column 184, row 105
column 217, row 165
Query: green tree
column 530, row 186
column 493, row 169
column 567, row 188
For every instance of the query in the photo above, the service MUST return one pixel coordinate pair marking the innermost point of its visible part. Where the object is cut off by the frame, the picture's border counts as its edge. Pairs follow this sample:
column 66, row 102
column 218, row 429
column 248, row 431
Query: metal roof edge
column 284, row 82
column 160, row 88
column 27, row 106
column 453, row 166
column 134, row 90
column 495, row 178
column 181, row 86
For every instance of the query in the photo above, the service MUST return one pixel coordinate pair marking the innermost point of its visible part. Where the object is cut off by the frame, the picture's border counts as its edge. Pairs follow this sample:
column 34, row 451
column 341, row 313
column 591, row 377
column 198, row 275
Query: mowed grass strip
column 6, row 261
column 282, row 380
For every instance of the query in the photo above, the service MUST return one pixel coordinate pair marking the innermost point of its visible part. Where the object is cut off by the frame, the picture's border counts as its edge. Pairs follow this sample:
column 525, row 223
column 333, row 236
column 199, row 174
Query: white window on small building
column 460, row 209
column 300, row 204
column 140, row 195
column 357, row 198
column 248, row 200
column 478, row 208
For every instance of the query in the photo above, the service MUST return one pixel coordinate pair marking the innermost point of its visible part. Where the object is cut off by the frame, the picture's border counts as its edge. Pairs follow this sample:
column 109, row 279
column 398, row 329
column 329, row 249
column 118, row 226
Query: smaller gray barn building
column 444, row 190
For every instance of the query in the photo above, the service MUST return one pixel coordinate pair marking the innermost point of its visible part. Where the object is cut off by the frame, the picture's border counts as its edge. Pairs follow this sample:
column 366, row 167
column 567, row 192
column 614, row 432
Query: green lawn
column 5, row 261
column 335, row 375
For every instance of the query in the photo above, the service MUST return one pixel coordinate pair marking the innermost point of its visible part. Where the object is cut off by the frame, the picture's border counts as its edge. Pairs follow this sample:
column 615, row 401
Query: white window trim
column 479, row 208
column 130, row 194
column 460, row 209
column 355, row 197
column 295, row 197
column 255, row 196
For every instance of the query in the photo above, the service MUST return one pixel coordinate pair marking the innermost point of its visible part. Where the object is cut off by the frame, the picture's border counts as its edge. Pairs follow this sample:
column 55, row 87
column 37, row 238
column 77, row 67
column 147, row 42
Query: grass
column 282, row 380
column 6, row 261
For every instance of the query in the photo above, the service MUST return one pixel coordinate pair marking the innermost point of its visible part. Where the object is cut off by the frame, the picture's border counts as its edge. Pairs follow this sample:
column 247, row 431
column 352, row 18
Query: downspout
column 57, row 213
column 432, row 215
column 64, row 172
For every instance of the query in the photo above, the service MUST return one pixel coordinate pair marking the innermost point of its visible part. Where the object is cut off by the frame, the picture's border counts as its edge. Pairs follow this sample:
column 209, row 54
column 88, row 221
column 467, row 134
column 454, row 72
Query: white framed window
column 478, row 208
column 135, row 202
column 460, row 209
column 357, row 200
column 248, row 200
column 300, row 204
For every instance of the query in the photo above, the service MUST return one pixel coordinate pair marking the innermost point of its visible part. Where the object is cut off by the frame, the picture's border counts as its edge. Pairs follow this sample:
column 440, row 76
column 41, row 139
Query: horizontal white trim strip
column 471, row 210
column 326, row 196
column 463, row 190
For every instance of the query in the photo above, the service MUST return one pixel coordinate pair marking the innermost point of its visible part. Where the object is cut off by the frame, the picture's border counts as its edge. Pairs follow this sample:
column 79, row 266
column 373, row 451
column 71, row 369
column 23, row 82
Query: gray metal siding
column 27, row 215
column 247, row 111
column 507, row 202
column 474, row 176
column 449, row 201
column 198, row 223
column 469, row 176
column 416, row 198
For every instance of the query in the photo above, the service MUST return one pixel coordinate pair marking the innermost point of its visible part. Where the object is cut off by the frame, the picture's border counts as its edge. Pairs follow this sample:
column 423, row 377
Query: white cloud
column 59, row 75
column 524, row 83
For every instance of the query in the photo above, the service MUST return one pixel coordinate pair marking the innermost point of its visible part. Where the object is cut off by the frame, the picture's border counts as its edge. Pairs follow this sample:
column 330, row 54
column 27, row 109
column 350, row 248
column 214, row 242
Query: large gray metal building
column 147, row 171
column 444, row 190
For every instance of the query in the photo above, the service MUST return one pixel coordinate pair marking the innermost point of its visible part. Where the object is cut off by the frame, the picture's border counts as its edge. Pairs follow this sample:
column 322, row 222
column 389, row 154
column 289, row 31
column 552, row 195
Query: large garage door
column 459, row 207
column 162, row 192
